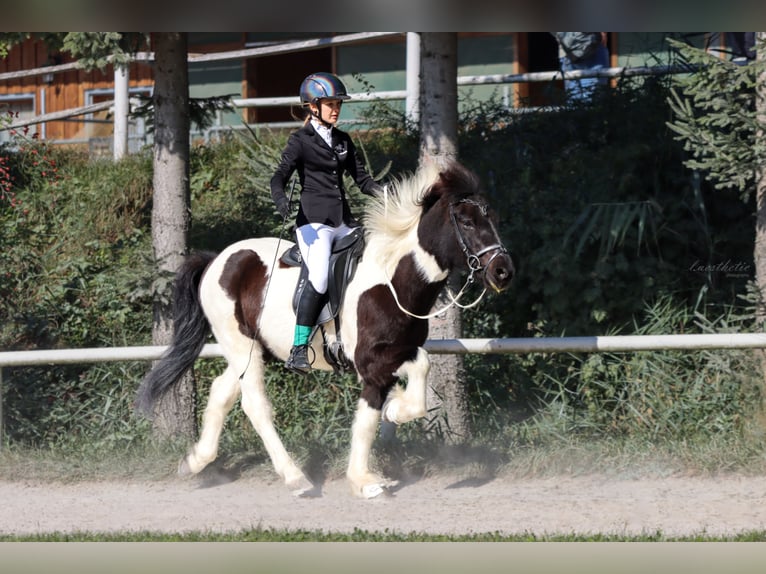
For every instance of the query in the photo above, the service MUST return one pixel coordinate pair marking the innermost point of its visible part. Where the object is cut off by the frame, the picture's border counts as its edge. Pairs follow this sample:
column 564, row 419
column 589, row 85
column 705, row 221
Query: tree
column 171, row 211
column 760, row 188
column 438, row 143
column 720, row 115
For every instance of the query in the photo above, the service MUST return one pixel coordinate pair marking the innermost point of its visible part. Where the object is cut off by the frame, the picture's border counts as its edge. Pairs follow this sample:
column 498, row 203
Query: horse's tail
column 190, row 329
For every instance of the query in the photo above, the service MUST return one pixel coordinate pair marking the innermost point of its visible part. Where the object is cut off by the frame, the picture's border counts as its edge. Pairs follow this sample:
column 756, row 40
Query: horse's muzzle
column 499, row 272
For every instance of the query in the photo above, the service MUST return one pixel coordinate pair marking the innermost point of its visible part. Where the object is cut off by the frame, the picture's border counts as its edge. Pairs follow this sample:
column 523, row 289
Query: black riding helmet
column 321, row 86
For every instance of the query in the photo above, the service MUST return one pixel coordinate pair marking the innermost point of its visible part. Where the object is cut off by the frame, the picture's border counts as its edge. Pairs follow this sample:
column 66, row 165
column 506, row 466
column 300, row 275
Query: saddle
column 344, row 258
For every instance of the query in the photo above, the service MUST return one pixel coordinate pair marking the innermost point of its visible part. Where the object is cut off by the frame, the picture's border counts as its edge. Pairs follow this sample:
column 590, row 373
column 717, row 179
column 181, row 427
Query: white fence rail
column 622, row 343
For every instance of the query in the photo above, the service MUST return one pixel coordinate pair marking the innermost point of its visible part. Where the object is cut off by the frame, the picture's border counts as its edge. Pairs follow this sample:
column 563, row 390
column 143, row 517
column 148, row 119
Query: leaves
column 610, row 223
column 202, row 111
column 99, row 49
column 714, row 117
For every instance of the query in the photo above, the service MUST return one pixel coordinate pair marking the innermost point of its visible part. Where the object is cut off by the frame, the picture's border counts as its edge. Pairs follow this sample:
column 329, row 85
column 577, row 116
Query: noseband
column 473, row 260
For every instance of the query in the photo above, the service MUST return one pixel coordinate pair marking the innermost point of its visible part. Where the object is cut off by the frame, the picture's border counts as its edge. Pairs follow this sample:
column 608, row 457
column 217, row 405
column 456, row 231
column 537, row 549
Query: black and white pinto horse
column 434, row 222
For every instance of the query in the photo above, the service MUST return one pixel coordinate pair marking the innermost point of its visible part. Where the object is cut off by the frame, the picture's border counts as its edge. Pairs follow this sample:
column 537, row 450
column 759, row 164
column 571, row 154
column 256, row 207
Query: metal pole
column 600, row 344
column 120, row 111
column 413, row 77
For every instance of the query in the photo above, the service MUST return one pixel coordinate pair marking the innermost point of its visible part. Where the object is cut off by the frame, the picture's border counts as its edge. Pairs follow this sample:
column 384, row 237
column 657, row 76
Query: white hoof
column 389, row 412
column 372, row 491
column 184, row 470
column 302, row 488
column 375, row 489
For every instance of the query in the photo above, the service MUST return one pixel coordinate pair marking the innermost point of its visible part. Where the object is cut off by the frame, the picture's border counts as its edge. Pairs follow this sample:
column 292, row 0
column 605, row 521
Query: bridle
column 473, row 260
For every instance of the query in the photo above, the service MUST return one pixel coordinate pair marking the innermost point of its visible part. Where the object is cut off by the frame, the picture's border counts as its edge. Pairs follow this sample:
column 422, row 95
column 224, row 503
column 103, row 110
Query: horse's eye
column 466, row 222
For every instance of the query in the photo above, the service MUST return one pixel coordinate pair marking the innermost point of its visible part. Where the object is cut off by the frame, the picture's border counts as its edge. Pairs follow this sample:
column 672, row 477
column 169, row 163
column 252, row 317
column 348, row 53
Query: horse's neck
column 389, row 254
column 415, row 289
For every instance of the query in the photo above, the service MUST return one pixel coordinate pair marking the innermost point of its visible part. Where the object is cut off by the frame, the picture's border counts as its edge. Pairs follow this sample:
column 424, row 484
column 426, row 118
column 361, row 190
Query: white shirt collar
column 323, row 130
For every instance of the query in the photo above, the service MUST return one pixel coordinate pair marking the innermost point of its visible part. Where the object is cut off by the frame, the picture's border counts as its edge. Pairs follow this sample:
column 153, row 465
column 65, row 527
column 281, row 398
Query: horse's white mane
column 396, row 213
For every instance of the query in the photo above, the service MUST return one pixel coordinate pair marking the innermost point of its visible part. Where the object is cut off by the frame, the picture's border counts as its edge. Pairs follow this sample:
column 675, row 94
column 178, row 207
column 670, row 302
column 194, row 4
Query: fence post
column 121, row 110
column 412, row 100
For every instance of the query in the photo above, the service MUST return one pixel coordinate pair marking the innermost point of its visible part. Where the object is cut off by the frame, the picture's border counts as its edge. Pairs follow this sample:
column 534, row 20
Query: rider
column 321, row 153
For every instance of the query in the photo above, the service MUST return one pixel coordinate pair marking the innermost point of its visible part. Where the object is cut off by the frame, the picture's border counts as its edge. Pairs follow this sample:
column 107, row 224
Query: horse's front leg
column 402, row 405
column 364, row 483
column 399, row 407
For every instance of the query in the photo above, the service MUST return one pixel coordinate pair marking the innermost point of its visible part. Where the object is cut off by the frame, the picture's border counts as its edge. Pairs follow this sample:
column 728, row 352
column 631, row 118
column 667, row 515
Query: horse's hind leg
column 258, row 408
column 223, row 394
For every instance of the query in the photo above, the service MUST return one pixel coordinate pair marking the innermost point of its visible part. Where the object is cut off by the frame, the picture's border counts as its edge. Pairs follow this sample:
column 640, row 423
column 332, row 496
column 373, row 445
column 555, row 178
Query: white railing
column 410, row 93
column 491, row 79
column 618, row 343
column 596, row 344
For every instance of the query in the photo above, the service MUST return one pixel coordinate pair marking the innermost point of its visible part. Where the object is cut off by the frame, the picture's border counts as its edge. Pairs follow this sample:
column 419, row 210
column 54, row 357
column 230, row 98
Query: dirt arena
column 676, row 506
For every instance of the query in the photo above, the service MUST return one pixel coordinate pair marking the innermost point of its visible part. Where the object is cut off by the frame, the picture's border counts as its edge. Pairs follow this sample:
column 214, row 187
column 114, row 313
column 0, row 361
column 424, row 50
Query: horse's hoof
column 313, row 492
column 370, row 491
column 388, row 412
column 303, row 488
column 184, row 470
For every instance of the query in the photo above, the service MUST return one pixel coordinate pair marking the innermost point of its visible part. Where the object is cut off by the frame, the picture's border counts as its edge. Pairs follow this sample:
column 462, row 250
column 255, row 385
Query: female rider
column 321, row 153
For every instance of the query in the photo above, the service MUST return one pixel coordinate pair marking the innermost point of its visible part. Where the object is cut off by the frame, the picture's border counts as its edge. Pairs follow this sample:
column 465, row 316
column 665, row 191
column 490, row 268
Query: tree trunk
column 171, row 217
column 760, row 186
column 438, row 97
column 448, row 400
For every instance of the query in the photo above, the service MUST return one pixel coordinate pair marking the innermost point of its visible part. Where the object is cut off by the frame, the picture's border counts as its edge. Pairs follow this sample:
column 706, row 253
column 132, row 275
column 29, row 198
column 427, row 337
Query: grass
column 269, row 535
column 569, row 456
column 70, row 465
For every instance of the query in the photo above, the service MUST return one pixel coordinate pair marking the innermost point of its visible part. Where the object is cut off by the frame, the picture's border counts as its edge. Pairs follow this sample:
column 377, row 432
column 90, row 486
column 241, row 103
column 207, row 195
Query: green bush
column 660, row 395
column 603, row 220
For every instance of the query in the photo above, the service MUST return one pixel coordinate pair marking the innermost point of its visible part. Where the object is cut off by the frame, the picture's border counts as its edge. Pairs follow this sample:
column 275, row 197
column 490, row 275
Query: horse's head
column 458, row 228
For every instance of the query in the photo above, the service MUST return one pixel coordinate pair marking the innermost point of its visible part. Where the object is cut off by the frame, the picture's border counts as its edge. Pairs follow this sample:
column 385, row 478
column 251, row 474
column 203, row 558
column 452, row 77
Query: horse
column 433, row 222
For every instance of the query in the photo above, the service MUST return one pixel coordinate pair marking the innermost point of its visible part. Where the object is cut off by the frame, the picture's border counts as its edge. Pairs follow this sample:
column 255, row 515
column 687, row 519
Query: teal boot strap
column 301, row 336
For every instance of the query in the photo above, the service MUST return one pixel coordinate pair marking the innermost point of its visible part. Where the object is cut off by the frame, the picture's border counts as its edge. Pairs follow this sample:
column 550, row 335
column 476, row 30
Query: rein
column 473, row 260
column 268, row 283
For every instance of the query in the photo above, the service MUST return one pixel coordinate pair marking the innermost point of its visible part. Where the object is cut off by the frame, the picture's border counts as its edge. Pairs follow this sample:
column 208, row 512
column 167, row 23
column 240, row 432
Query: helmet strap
column 318, row 114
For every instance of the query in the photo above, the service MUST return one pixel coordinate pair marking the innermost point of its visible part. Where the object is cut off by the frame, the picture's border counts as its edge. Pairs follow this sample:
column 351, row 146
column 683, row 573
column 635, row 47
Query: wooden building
column 377, row 64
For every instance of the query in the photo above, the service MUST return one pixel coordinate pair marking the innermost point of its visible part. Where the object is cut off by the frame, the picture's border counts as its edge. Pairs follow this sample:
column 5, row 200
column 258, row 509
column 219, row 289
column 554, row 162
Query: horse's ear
column 458, row 177
column 433, row 195
column 454, row 179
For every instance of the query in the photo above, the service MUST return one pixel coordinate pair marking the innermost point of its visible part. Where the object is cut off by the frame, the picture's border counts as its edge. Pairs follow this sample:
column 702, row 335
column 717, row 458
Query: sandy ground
column 675, row 506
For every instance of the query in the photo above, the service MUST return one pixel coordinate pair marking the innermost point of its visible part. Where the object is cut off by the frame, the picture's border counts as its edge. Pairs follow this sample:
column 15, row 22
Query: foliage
column 202, row 111
column 714, row 117
column 601, row 215
column 72, row 257
column 668, row 395
column 9, row 39
column 609, row 230
column 98, row 49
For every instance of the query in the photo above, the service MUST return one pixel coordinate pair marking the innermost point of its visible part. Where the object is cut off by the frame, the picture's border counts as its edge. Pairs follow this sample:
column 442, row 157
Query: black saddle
column 345, row 255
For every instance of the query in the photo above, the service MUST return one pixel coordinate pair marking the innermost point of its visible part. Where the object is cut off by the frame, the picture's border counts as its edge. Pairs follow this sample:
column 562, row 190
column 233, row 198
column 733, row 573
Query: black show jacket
column 320, row 172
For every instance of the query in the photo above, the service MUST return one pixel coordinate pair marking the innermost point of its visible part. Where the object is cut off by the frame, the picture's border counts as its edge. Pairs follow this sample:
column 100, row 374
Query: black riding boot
column 306, row 316
column 298, row 361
